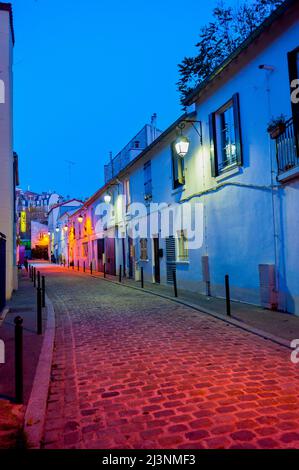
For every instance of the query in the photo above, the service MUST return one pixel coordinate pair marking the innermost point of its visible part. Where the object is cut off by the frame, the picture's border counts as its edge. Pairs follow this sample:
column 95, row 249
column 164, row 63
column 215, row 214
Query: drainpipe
column 269, row 70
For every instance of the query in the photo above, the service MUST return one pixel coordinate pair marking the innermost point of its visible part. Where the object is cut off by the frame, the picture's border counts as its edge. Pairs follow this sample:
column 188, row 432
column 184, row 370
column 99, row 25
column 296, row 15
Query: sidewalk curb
column 37, row 405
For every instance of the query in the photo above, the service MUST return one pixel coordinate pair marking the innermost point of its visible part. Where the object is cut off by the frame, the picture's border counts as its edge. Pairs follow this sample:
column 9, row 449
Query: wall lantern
column 49, row 233
column 182, row 146
column 57, row 229
column 65, row 228
column 80, row 219
column 107, row 198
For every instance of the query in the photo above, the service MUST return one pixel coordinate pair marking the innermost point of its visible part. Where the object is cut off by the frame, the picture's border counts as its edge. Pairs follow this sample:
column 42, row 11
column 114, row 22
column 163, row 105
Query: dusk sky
column 88, row 75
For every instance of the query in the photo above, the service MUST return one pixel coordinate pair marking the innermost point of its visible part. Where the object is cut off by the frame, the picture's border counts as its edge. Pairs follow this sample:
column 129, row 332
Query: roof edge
column 8, row 7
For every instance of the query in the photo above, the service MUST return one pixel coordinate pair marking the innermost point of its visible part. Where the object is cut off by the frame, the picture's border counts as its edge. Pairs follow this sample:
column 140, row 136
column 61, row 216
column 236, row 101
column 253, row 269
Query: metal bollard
column 78, row 265
column 104, row 269
column 64, row 263
column 38, row 279
column 19, row 359
column 39, row 310
column 68, row 265
column 43, row 291
column 227, row 296
column 142, row 277
column 119, row 273
column 175, row 283
column 73, row 265
column 91, row 267
column 34, row 277
column 84, row 266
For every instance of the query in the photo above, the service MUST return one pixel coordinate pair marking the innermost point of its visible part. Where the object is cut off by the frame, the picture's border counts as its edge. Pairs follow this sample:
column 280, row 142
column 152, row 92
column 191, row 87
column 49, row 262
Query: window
column 127, row 193
column 147, row 173
column 178, row 170
column 225, row 137
column 85, row 250
column 293, row 62
column 183, row 252
column 143, row 249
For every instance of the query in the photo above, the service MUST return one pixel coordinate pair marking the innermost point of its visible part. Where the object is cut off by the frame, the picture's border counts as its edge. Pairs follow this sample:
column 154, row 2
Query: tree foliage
column 229, row 28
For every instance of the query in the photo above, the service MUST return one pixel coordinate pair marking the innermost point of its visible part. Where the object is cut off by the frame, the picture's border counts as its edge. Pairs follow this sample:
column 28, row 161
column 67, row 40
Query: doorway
column 156, row 260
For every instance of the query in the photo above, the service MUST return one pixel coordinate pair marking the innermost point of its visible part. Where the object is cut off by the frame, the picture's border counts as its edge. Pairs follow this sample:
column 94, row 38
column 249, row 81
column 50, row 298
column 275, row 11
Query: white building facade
column 8, row 160
column 242, row 183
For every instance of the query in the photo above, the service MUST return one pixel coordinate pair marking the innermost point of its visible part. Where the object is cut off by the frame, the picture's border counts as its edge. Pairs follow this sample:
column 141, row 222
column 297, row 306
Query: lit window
column 85, row 250
column 225, row 137
column 178, row 169
column 143, row 249
column 183, row 252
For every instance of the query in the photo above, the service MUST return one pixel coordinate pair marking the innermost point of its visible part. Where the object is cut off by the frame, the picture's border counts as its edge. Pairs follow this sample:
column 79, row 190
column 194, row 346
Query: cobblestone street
column 131, row 370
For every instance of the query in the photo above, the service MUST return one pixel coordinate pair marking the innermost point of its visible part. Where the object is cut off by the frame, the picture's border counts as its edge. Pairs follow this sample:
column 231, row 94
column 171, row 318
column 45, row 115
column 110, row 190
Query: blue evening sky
column 88, row 75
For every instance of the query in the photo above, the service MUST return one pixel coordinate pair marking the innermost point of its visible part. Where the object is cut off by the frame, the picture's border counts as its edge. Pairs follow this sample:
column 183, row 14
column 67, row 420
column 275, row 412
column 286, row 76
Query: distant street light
column 65, row 228
column 107, row 198
column 80, row 219
column 57, row 229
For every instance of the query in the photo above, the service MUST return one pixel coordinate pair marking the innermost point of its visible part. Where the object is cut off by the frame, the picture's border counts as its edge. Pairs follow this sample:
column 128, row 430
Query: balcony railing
column 286, row 149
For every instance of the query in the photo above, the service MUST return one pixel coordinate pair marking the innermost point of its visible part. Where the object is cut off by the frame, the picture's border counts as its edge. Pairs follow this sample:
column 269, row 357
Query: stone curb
column 237, row 323
column 37, row 405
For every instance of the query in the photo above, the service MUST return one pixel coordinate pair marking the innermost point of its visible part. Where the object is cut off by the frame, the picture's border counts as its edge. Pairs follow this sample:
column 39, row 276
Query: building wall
column 249, row 218
column 6, row 153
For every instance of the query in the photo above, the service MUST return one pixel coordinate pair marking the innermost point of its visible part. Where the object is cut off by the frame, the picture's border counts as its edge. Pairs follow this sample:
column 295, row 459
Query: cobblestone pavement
column 131, row 370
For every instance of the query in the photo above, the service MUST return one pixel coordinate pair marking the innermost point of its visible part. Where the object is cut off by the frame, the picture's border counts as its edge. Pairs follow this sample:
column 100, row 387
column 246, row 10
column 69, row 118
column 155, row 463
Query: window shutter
column 237, row 123
column 293, row 75
column 213, row 146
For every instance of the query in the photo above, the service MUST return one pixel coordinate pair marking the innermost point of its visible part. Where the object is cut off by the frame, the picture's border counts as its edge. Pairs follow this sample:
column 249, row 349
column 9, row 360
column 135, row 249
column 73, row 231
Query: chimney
column 154, row 126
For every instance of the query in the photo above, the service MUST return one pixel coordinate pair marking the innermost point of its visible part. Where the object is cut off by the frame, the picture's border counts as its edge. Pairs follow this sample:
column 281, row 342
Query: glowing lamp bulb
column 57, row 229
column 182, row 146
column 107, row 198
column 80, row 219
column 65, row 228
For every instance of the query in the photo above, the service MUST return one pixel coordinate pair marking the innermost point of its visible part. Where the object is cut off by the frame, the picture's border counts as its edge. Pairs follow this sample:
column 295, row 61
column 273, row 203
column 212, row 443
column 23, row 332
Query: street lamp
column 65, row 228
column 80, row 219
column 182, row 145
column 107, row 198
column 57, row 229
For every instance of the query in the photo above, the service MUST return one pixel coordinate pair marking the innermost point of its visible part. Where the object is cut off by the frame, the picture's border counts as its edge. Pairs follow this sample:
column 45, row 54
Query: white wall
column 6, row 152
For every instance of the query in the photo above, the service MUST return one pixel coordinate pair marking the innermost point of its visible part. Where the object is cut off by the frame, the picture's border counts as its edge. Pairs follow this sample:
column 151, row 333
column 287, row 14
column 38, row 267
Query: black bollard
column 175, row 283
column 78, row 265
column 227, row 295
column 119, row 273
column 38, row 279
column 39, row 310
column 64, row 263
column 142, row 277
column 19, row 359
column 73, row 265
column 34, row 277
column 104, row 269
column 43, row 291
column 31, row 273
column 91, row 267
column 84, row 266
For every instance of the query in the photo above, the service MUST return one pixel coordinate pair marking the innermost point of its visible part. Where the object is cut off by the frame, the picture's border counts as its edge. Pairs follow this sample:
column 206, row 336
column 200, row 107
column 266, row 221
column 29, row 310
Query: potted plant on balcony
column 277, row 126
